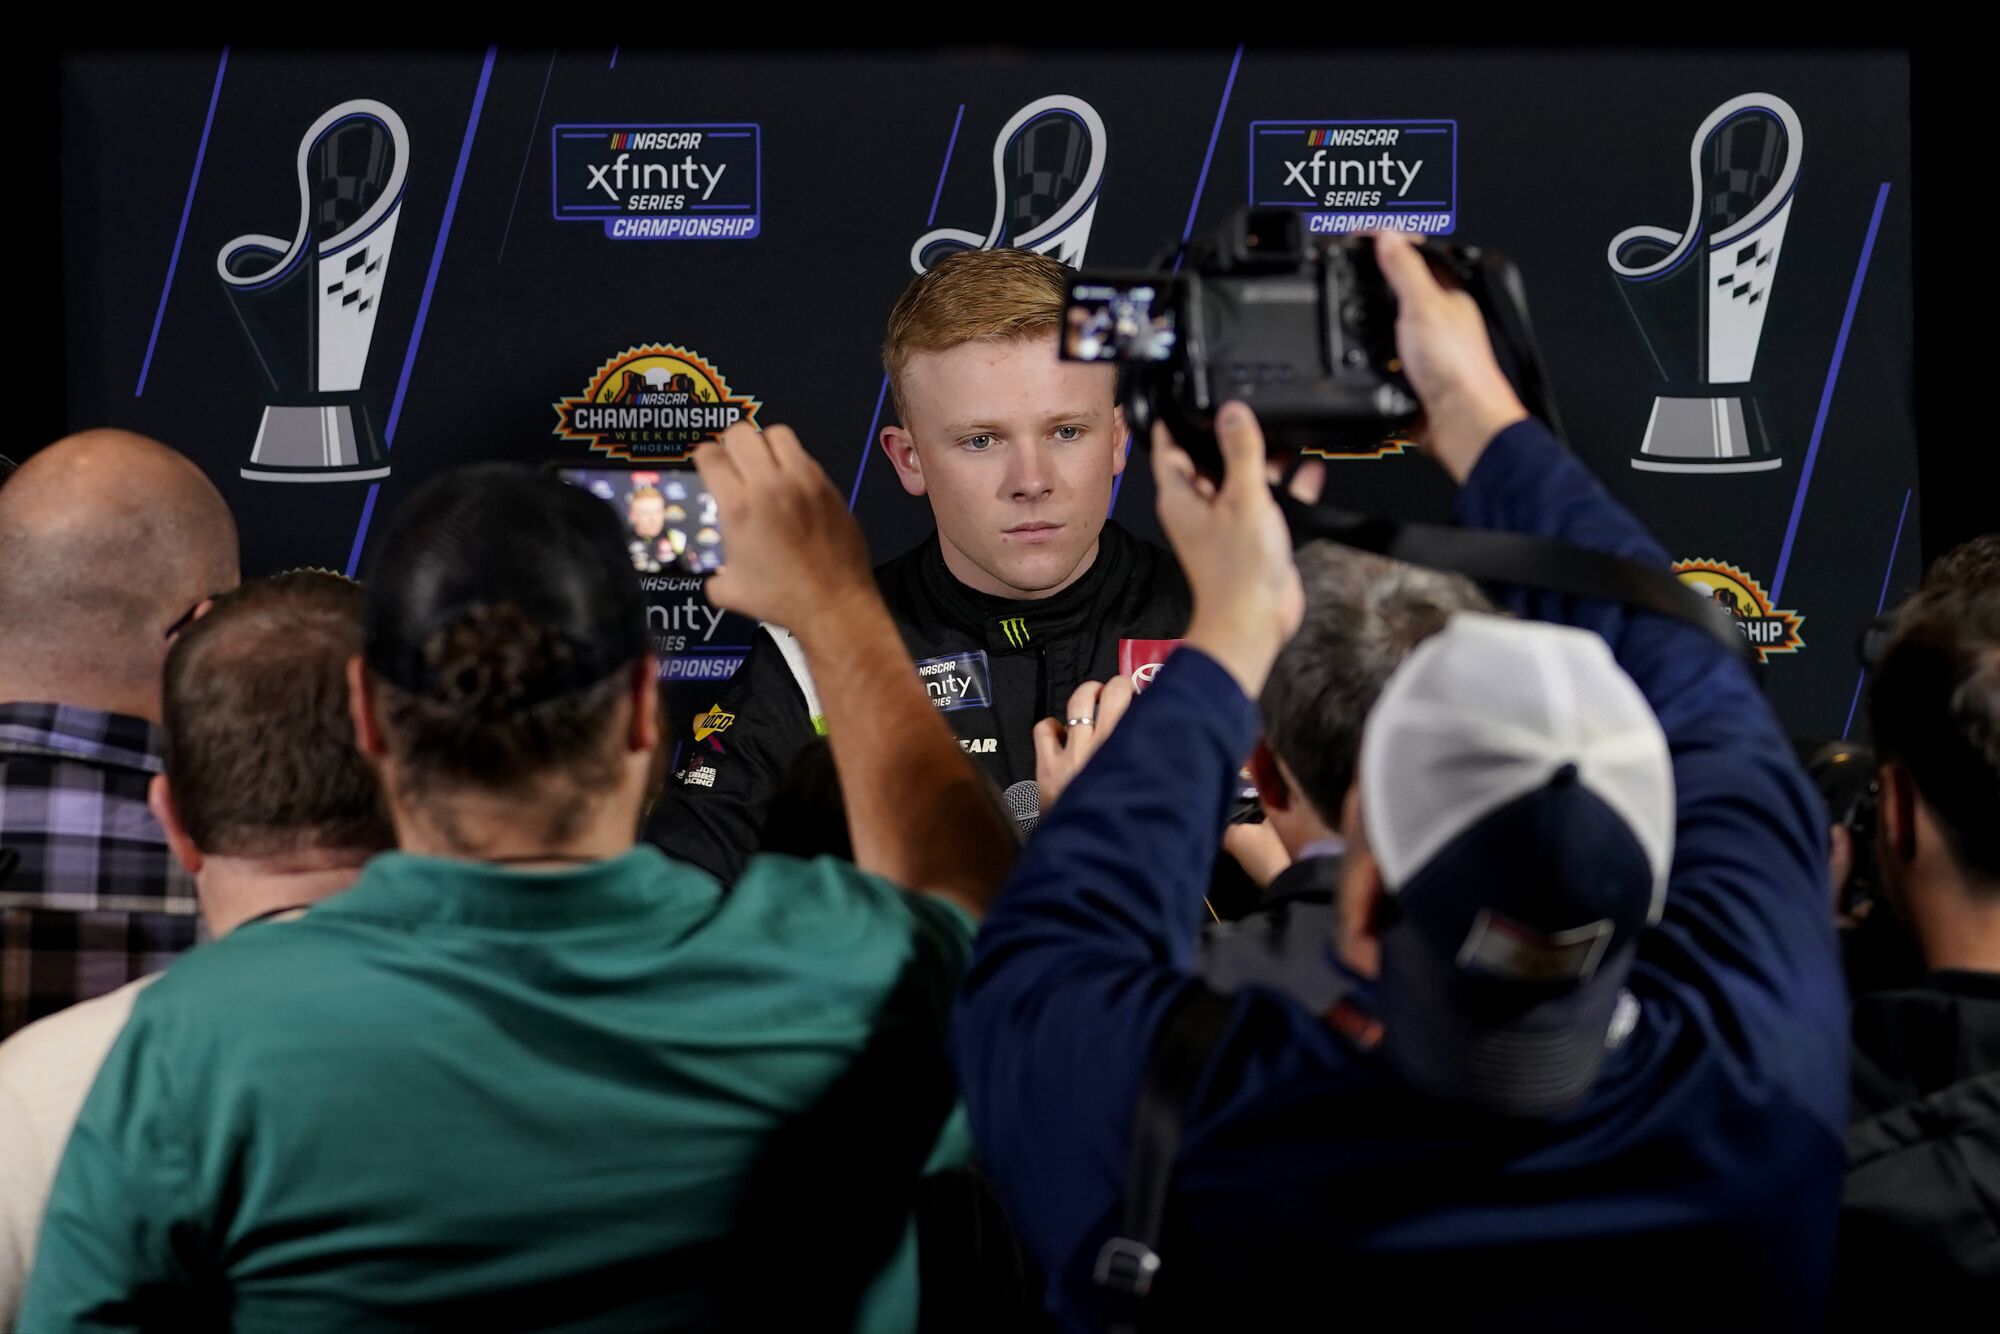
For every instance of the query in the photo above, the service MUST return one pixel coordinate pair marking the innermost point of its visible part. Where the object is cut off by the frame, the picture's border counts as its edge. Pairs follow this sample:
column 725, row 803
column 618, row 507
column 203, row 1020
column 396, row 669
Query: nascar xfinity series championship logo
column 1354, row 175
column 653, row 404
column 661, row 182
column 1769, row 629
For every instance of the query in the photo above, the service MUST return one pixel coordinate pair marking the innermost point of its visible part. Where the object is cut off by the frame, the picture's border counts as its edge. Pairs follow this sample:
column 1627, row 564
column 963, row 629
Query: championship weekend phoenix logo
column 653, row 404
column 1769, row 629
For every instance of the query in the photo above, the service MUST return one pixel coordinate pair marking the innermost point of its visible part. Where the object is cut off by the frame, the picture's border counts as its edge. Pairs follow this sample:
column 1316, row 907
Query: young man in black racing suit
column 1025, row 592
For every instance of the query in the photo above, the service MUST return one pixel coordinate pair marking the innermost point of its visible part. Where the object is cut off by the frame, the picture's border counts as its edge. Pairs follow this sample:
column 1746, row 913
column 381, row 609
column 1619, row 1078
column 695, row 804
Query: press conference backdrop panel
column 328, row 277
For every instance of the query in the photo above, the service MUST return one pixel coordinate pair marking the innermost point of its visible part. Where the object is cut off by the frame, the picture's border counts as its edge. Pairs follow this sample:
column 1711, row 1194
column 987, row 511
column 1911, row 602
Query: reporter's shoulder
column 51, row 1041
column 255, row 970
column 828, row 901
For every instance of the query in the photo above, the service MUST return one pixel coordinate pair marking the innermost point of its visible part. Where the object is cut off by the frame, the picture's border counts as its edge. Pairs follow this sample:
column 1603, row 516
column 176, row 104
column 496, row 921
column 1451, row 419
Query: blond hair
column 974, row 295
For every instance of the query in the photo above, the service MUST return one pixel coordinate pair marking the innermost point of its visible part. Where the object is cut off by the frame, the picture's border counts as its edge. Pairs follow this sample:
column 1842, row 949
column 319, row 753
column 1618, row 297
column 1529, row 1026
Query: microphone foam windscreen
column 1024, row 805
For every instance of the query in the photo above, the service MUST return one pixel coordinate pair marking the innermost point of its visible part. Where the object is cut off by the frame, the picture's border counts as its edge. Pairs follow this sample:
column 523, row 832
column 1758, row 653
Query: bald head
column 106, row 538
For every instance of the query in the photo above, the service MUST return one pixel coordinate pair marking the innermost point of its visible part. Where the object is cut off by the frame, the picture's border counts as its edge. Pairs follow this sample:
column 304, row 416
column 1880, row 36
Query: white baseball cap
column 1518, row 794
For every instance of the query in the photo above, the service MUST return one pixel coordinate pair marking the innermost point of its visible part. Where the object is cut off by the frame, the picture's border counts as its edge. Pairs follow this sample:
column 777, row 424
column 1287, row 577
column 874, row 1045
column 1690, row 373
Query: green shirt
column 461, row 1096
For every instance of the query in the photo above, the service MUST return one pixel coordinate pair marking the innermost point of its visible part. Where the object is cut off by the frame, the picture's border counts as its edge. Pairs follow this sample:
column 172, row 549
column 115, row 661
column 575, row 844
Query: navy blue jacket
column 1698, row 1182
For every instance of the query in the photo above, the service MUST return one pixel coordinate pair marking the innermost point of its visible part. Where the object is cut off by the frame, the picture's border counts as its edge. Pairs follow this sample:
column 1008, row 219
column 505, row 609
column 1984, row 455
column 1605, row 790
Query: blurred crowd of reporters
column 272, row 1131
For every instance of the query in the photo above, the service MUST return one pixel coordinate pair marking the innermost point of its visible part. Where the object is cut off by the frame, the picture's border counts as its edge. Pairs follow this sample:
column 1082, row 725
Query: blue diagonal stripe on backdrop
column 1208, row 158
column 868, row 445
column 937, row 194
column 1187, row 228
column 180, row 234
column 1826, row 396
column 534, row 129
column 424, row 304
column 868, row 441
column 1881, row 600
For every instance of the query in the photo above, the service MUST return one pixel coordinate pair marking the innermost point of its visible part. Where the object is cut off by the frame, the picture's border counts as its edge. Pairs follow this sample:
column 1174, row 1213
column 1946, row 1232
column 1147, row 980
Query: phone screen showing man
column 670, row 520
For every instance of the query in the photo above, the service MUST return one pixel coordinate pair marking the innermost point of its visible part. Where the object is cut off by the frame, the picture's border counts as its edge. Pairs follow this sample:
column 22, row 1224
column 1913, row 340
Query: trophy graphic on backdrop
column 1706, row 288
column 1048, row 161
column 308, row 305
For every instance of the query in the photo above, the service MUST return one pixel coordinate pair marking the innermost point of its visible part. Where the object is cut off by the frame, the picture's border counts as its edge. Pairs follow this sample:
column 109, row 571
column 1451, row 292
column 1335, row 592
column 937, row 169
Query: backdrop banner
column 329, row 277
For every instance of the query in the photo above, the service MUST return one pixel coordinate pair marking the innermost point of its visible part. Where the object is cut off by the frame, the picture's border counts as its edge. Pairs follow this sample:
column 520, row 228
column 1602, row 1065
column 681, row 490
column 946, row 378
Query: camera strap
column 1129, row 1261
column 1488, row 556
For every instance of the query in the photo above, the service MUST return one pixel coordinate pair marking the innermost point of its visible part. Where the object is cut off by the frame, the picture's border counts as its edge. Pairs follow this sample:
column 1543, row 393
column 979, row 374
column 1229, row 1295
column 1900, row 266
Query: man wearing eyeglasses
column 109, row 545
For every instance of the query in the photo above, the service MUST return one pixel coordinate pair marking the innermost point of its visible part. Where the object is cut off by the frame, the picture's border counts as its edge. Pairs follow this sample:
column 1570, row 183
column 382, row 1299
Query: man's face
column 1016, row 450
column 649, row 515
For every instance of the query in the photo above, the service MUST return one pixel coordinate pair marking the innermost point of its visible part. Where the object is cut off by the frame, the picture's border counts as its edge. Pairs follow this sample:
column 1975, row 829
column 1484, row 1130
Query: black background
column 1559, row 150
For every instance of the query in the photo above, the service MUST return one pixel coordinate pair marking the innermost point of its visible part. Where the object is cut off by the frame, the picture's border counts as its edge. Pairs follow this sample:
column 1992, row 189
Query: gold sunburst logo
column 653, row 403
column 1769, row 629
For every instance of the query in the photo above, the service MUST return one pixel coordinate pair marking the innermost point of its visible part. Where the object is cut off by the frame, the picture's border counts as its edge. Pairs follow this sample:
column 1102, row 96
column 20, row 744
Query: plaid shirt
column 97, row 900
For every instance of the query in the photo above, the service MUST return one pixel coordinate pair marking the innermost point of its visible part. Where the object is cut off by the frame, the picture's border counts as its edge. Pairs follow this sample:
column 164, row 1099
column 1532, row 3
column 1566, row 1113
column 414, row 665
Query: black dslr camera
column 1303, row 330
column 1844, row 773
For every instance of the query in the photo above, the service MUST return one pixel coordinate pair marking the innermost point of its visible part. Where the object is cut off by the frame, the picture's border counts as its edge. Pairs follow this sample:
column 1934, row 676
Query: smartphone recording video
column 670, row 520
column 1119, row 322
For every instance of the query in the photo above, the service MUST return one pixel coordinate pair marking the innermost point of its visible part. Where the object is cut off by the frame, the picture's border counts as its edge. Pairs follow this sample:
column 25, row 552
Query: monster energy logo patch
column 1015, row 629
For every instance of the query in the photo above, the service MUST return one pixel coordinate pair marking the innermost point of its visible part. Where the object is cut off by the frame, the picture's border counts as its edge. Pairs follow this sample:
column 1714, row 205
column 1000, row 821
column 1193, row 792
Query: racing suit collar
column 1018, row 625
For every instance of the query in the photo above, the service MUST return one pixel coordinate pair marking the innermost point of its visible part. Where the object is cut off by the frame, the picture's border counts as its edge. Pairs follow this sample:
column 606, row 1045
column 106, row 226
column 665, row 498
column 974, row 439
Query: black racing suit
column 1031, row 655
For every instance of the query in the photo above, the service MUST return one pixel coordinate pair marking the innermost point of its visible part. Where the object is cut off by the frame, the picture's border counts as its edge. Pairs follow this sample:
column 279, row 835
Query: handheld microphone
column 1024, row 805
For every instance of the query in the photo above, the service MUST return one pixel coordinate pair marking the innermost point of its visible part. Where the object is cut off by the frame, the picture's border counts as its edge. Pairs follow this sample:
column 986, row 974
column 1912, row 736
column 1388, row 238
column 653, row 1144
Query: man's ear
column 1121, row 453
column 1272, row 789
column 1381, row 908
column 1362, row 899
column 1897, row 808
column 1373, row 912
column 648, row 717
column 361, row 709
column 160, row 801
column 901, row 447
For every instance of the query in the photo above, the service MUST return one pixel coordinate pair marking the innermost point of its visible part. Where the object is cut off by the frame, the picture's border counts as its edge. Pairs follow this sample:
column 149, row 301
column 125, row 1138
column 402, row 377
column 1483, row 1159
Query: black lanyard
column 273, row 912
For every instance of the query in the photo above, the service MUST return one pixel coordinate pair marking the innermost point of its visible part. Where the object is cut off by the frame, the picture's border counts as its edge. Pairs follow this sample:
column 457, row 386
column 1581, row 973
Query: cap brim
column 1459, row 1037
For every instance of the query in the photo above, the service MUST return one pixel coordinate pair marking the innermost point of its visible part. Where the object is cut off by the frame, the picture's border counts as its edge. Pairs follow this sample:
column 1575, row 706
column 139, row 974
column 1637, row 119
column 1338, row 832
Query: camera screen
column 669, row 518
column 1119, row 321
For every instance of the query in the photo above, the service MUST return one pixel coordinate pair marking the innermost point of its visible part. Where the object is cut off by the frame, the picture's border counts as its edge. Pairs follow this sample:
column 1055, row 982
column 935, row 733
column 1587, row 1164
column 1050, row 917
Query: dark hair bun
column 495, row 660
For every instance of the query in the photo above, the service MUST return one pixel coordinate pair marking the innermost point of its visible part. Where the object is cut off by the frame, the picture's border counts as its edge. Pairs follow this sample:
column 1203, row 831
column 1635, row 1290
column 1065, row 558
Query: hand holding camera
column 1233, row 544
column 1447, row 357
